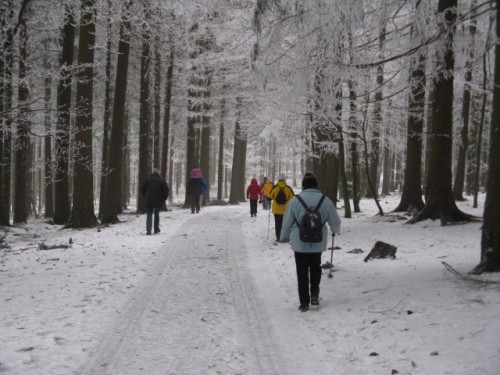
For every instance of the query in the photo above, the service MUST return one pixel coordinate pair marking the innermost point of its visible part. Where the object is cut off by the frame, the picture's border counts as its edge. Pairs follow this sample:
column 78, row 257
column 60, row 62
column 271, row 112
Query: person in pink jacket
column 255, row 195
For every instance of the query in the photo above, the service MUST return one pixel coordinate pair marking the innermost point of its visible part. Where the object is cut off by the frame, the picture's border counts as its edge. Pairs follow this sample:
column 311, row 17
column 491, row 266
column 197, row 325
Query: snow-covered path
column 166, row 328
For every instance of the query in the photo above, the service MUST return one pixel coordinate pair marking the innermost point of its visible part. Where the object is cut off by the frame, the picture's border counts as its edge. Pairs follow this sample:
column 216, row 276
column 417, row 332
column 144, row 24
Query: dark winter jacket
column 253, row 190
column 196, row 186
column 155, row 191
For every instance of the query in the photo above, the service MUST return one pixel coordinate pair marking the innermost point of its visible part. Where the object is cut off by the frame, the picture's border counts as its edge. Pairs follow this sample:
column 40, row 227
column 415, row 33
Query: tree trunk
column 125, row 184
column 107, row 116
column 411, row 197
column 458, row 186
column 386, row 169
column 480, row 126
column 113, row 191
column 145, row 113
column 473, row 135
column 205, row 135
column 490, row 231
column 205, row 157
column 63, row 124
column 6, row 69
column 166, row 116
column 220, row 168
column 82, row 214
column 47, row 140
column 439, row 200
column 370, row 184
column 374, row 155
column 22, row 148
column 343, row 178
column 157, row 106
column 237, row 192
column 190, row 141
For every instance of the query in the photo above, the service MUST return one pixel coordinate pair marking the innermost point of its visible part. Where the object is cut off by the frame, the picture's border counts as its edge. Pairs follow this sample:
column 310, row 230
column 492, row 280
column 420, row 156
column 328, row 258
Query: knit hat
column 309, row 181
column 196, row 173
column 281, row 177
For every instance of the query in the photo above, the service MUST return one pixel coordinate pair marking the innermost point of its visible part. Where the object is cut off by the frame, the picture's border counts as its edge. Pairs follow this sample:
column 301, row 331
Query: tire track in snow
column 252, row 310
column 196, row 313
column 112, row 341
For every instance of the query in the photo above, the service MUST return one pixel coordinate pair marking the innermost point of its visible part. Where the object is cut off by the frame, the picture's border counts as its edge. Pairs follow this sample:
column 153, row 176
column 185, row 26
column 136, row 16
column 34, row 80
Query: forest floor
column 213, row 294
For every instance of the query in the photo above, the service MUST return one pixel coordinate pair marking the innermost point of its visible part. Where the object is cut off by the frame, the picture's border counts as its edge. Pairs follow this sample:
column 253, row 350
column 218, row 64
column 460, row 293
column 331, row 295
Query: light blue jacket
column 294, row 212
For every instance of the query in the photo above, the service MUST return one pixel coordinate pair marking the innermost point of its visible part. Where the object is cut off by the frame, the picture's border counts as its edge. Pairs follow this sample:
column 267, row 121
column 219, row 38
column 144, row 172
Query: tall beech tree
column 166, row 115
column 82, row 213
column 22, row 146
column 47, row 140
column 113, row 186
column 490, row 230
column 376, row 131
column 6, row 71
column 237, row 191
column 107, row 113
column 463, row 145
column 145, row 108
column 411, row 197
column 439, row 200
column 61, row 174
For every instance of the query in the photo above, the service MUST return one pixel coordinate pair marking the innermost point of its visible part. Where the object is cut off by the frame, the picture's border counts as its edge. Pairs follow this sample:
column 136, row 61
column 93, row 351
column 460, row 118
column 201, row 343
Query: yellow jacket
column 279, row 209
column 266, row 189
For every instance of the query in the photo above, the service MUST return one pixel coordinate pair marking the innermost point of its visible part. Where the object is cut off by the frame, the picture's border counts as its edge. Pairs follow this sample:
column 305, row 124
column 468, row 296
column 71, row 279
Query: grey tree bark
column 82, row 213
column 63, row 122
column 113, row 187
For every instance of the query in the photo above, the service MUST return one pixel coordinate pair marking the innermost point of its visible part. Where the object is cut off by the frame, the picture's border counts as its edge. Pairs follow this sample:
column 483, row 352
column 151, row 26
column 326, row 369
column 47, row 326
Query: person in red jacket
column 254, row 194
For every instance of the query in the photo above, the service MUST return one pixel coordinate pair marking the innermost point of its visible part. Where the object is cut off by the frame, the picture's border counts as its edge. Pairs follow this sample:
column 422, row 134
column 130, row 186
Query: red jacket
column 253, row 190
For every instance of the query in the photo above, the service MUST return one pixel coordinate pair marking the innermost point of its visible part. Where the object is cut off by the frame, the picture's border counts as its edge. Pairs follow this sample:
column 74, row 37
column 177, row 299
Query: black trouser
column 152, row 213
column 195, row 203
column 253, row 206
column 308, row 271
column 278, row 222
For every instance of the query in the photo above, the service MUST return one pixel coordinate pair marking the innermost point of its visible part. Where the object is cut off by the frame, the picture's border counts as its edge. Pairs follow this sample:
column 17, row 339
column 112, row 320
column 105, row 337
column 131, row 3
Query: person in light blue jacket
column 308, row 255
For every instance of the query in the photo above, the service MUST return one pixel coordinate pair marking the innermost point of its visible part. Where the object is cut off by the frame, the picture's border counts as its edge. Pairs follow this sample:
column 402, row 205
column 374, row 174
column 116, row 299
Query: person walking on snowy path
column 196, row 187
column 266, row 189
column 280, row 194
column 155, row 192
column 308, row 255
column 254, row 194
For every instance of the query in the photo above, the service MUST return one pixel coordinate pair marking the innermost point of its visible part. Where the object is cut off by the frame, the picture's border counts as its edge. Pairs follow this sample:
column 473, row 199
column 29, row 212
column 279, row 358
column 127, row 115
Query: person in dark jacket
column 196, row 187
column 308, row 255
column 255, row 195
column 155, row 192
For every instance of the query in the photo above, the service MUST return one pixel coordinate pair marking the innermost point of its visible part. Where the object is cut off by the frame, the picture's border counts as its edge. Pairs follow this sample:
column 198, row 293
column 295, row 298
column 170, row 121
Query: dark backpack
column 311, row 225
column 281, row 196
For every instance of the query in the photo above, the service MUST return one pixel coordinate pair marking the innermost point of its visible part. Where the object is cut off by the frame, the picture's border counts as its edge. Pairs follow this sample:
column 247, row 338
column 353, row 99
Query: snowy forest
column 376, row 98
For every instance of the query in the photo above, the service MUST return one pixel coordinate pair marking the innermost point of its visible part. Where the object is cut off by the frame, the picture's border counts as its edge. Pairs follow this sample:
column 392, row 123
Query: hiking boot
column 303, row 308
column 148, row 233
column 315, row 301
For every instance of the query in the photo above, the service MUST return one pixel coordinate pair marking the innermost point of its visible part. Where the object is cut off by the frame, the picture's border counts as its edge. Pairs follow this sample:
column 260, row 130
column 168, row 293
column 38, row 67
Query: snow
column 212, row 294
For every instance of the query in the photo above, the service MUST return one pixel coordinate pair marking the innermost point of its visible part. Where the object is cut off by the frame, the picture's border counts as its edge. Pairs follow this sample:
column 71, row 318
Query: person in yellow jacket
column 266, row 189
column 280, row 194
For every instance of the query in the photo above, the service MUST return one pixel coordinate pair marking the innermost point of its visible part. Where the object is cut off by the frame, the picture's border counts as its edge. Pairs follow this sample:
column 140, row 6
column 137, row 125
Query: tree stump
column 382, row 250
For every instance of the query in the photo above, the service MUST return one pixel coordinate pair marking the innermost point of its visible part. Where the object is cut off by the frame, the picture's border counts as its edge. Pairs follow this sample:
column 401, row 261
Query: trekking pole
column 268, row 222
column 331, row 259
